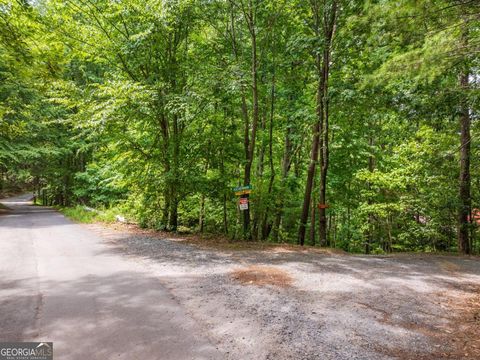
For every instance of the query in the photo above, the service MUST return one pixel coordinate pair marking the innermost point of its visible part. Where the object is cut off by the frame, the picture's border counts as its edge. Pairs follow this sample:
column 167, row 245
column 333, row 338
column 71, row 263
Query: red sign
column 475, row 216
column 243, row 203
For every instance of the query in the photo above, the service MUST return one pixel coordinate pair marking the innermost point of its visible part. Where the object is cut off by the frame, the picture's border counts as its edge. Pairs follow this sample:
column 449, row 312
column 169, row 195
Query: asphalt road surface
column 60, row 283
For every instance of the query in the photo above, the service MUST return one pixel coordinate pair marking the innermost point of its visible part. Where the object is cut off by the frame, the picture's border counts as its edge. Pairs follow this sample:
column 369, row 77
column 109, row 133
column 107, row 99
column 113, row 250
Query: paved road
column 59, row 283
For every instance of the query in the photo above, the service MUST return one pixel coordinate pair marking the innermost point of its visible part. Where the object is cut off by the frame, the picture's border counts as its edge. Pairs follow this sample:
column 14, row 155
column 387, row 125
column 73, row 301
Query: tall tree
column 324, row 17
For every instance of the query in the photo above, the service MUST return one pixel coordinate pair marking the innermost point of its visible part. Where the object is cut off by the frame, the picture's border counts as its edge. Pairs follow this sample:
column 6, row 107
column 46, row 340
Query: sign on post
column 243, row 190
column 240, row 188
column 243, row 203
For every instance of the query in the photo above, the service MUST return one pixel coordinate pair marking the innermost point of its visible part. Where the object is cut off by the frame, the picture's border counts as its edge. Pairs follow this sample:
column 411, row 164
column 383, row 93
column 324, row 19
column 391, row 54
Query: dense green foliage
column 159, row 108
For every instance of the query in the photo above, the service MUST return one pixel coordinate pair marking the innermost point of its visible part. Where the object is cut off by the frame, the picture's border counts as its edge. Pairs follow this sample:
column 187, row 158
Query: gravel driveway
column 337, row 306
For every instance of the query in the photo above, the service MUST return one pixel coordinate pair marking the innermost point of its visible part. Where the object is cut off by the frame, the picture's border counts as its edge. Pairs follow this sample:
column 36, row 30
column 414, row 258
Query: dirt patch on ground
column 463, row 332
column 262, row 275
column 448, row 266
column 465, row 328
column 229, row 245
column 459, row 339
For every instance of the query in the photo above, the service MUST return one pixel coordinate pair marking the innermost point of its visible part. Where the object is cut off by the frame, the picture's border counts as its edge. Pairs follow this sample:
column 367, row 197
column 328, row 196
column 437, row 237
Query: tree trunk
column 309, row 185
column 173, row 223
column 249, row 139
column 225, row 220
column 330, row 20
column 166, row 208
column 267, row 225
column 286, row 164
column 312, row 224
column 251, row 146
column 222, row 171
column 165, row 133
column 322, row 26
column 371, row 167
column 201, row 215
column 464, row 180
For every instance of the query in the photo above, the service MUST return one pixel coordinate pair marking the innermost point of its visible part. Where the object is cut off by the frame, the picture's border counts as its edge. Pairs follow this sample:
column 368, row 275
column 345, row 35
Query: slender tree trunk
column 464, row 180
column 267, row 226
column 286, row 164
column 165, row 134
column 166, row 208
column 249, row 139
column 309, row 185
column 257, row 224
column 201, row 215
column 335, row 221
column 246, row 181
column 263, row 146
column 330, row 21
column 371, row 167
column 225, row 219
column 250, row 17
column 388, row 247
column 173, row 224
column 324, row 158
column 173, row 215
column 222, row 172
column 349, row 234
column 323, row 26
column 311, row 167
column 312, row 224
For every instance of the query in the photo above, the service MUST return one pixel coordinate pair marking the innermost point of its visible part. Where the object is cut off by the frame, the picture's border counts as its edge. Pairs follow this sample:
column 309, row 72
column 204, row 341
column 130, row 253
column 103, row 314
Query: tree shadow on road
column 125, row 315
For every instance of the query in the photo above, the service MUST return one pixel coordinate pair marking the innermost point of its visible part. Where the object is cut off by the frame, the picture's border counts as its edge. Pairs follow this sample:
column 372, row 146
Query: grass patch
column 86, row 215
column 4, row 209
column 79, row 214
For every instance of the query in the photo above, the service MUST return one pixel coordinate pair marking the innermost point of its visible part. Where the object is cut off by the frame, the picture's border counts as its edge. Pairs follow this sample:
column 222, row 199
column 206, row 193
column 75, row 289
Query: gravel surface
column 338, row 307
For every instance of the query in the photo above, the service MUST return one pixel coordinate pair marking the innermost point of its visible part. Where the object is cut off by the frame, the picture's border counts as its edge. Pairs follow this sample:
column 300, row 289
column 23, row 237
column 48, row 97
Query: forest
column 348, row 124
